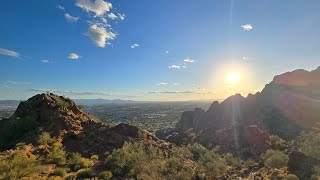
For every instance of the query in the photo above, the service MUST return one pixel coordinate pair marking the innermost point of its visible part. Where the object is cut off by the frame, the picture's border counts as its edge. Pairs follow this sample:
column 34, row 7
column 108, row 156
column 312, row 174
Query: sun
column 233, row 77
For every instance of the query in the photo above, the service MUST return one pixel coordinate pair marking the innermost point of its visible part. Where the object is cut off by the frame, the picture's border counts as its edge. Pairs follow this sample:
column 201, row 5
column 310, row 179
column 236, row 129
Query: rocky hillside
column 62, row 118
column 242, row 125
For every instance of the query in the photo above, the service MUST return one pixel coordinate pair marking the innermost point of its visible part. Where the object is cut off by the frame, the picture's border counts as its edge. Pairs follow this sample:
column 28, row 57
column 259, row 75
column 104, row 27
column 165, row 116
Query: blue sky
column 153, row 50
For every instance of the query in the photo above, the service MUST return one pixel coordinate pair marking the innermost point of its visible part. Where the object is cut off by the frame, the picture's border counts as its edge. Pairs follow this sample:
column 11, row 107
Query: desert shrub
column 45, row 138
column 55, row 178
column 85, row 173
column 18, row 165
column 105, row 175
column 291, row 177
column 275, row 159
column 70, row 176
column 62, row 102
column 208, row 162
column 57, row 156
column 59, row 172
column 230, row 160
column 309, row 144
column 278, row 143
column 177, row 168
column 125, row 161
column 94, row 157
column 76, row 162
column 136, row 160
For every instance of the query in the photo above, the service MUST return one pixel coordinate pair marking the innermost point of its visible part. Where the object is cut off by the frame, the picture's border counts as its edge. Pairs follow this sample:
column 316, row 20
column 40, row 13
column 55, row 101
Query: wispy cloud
column 165, row 84
column 174, row 66
column 61, row 7
column 247, row 27
column 134, row 46
column 70, row 18
column 121, row 16
column 9, row 53
column 162, row 84
column 112, row 16
column 17, row 82
column 91, row 93
column 167, row 52
column 244, row 58
column 188, row 60
column 195, row 91
column 45, row 61
column 98, row 7
column 100, row 35
column 73, row 56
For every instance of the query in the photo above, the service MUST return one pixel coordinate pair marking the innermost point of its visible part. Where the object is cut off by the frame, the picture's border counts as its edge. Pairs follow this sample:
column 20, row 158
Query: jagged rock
column 285, row 107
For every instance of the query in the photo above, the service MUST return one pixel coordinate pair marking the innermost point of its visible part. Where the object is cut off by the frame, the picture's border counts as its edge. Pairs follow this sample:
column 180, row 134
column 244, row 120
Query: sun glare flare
column 233, row 77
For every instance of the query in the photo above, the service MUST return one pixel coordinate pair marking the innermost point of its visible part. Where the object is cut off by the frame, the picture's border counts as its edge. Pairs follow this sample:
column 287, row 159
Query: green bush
column 59, row 172
column 45, row 138
column 70, row 176
column 57, row 156
column 55, row 178
column 62, row 102
column 76, row 162
column 105, row 175
column 291, row 177
column 138, row 161
column 275, row 159
column 309, row 144
column 18, row 165
column 94, row 157
column 208, row 162
column 85, row 173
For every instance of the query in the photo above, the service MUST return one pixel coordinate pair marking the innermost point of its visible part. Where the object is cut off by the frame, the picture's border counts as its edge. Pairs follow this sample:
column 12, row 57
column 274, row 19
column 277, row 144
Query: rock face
column 62, row 118
column 241, row 125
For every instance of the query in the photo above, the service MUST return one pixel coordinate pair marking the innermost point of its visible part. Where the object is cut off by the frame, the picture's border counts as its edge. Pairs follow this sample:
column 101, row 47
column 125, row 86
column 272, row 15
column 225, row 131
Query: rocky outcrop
column 285, row 107
column 77, row 130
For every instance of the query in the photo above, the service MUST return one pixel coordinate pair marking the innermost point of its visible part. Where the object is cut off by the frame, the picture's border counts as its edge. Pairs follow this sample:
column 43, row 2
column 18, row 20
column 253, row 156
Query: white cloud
column 60, row 7
column 70, row 18
column 173, row 66
column 121, row 16
column 99, row 7
column 162, row 84
column 17, row 82
column 167, row 52
column 176, row 84
column 99, row 35
column 247, row 27
column 188, row 60
column 73, row 56
column 244, row 58
column 9, row 53
column 112, row 16
column 184, row 67
column 45, row 61
column 135, row 46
